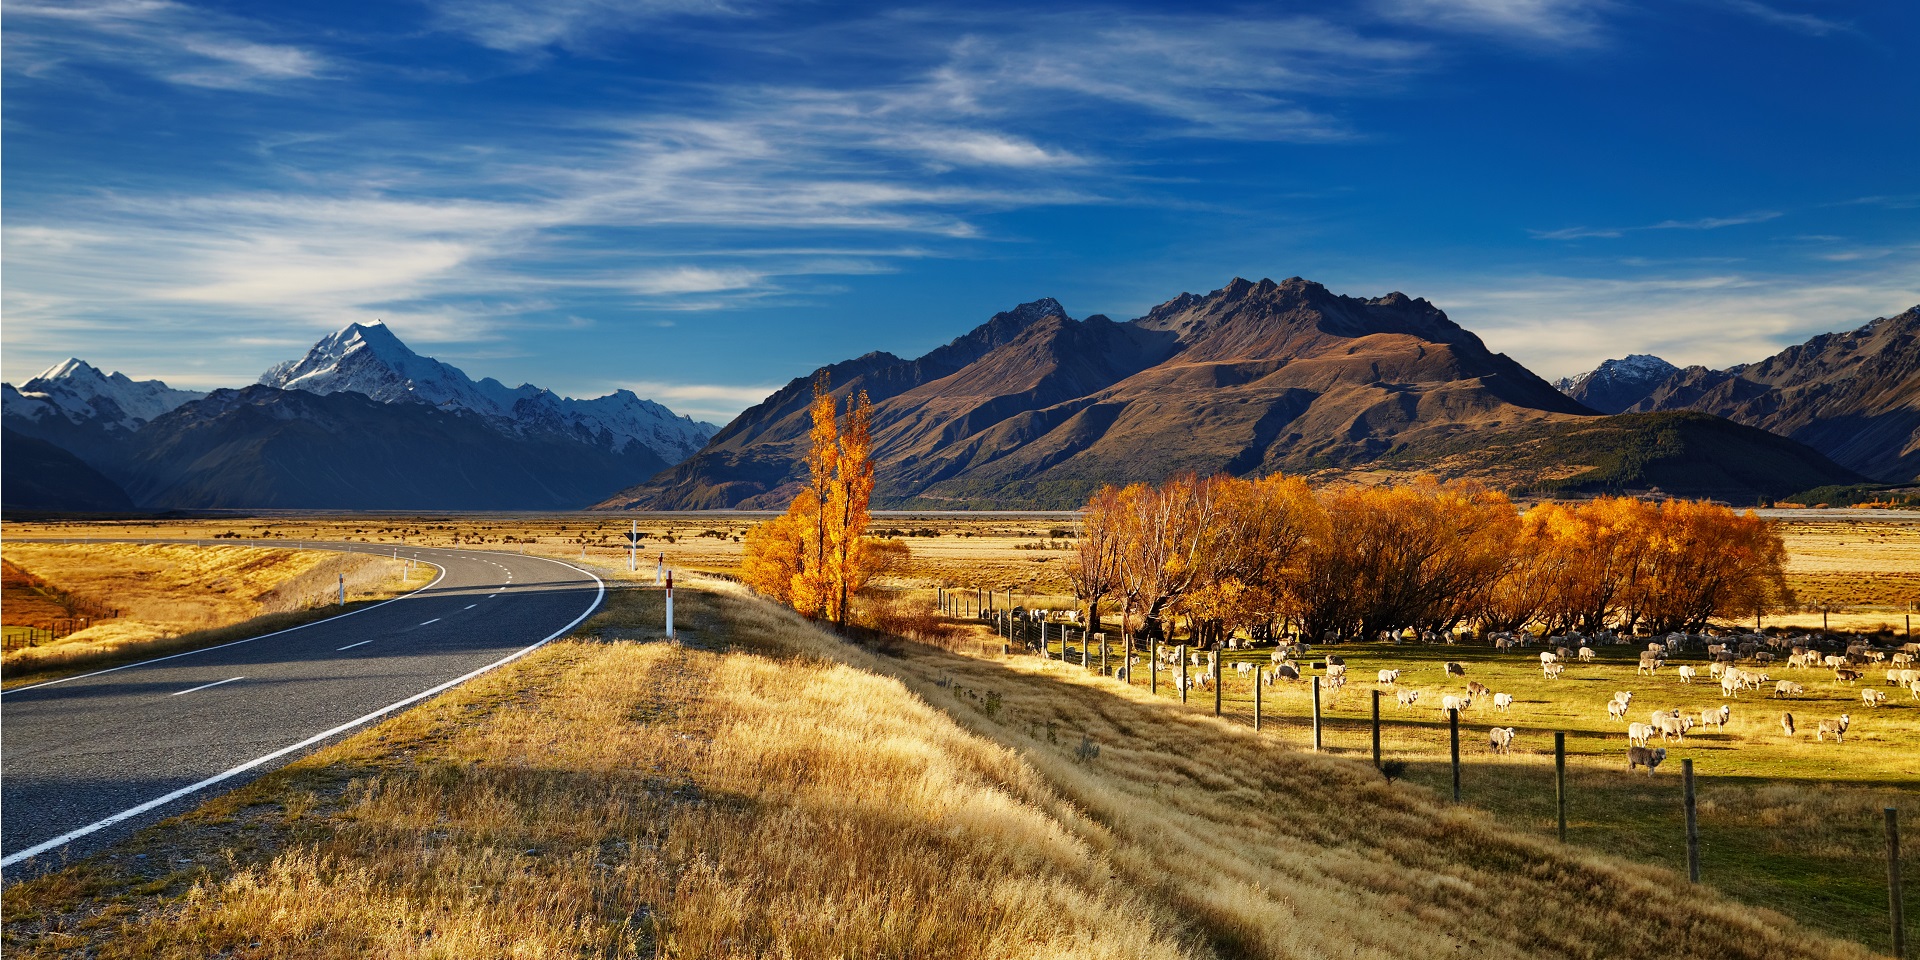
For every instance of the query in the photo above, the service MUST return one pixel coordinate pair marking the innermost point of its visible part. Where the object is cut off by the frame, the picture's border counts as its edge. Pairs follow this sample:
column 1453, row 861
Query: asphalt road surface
column 121, row 749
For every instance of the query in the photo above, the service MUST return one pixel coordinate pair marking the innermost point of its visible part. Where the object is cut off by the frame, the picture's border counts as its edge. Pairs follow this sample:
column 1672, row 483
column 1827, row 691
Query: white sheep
column 1838, row 728
column 1500, row 739
column 1716, row 718
column 1389, row 676
column 1501, row 701
column 1787, row 688
column 1451, row 703
column 1408, row 698
column 1554, row 670
column 1624, row 696
column 1688, row 674
column 1873, row 697
column 1639, row 733
column 1587, row 655
column 1616, row 709
column 1548, row 656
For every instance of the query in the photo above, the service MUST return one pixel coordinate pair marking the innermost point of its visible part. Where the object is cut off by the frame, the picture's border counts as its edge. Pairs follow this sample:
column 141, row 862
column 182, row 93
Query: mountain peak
column 1615, row 385
column 82, row 393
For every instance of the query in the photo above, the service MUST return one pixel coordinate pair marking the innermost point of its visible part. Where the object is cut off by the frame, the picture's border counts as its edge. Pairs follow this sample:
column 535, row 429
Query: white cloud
column 172, row 41
column 1802, row 22
column 1566, row 325
column 693, row 280
column 523, row 26
column 1703, row 223
column 715, row 402
column 1559, row 22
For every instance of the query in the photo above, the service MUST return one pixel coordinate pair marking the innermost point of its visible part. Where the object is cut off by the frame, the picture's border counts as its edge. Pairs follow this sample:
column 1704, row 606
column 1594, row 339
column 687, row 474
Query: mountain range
column 1035, row 409
column 1852, row 395
column 359, row 422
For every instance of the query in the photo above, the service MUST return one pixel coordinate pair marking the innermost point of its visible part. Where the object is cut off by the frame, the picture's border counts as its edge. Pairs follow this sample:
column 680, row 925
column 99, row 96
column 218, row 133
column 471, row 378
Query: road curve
column 122, row 748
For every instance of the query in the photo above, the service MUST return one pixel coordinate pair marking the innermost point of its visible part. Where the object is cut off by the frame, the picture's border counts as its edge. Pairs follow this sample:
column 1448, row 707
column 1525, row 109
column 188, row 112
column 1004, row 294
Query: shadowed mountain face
column 36, row 475
column 1616, row 385
column 1854, row 396
column 1035, row 408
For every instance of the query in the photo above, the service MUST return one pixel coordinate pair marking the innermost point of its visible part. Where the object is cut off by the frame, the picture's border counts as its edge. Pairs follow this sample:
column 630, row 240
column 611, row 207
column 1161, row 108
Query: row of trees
column 1258, row 555
column 817, row 556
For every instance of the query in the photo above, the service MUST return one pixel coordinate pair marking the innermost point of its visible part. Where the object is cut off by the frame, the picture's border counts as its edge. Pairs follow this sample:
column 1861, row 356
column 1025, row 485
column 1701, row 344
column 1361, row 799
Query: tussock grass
column 767, row 789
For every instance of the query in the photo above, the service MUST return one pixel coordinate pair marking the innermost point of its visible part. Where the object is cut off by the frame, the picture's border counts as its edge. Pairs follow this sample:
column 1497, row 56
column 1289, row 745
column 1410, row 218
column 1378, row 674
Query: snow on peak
column 368, row 359
column 78, row 391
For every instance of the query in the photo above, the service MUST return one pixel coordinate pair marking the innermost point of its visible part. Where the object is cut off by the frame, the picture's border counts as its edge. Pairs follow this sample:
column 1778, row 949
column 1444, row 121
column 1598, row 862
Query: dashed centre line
column 469, row 606
column 350, row 646
column 206, row 685
column 434, row 620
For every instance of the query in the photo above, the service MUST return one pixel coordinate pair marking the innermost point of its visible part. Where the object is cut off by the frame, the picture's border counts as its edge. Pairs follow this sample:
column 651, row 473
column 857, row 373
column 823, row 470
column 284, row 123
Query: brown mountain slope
column 1854, row 396
column 1035, row 408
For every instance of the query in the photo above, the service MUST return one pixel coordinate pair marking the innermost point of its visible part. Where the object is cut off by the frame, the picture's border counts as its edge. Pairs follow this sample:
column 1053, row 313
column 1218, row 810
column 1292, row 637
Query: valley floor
column 763, row 788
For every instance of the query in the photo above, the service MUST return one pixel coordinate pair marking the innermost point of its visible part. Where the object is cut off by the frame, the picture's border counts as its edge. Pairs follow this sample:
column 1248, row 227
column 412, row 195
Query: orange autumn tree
column 817, row 557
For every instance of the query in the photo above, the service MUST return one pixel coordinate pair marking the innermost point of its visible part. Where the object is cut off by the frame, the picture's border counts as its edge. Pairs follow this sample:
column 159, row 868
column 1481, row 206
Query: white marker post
column 343, row 589
column 660, row 569
column 633, row 548
column 669, row 606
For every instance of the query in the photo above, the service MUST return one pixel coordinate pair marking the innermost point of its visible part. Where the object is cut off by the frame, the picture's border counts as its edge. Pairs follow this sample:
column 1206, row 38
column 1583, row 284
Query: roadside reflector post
column 343, row 589
column 1560, row 779
column 1453, row 728
column 1693, row 823
column 669, row 605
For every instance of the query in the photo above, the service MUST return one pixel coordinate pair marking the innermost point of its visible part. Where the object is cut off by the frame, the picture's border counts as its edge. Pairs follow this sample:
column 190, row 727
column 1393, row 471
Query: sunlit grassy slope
column 767, row 790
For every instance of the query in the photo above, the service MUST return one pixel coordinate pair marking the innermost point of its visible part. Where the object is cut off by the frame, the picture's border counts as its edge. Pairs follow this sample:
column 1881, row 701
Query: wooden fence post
column 1894, row 903
column 1376, row 729
column 1560, row 779
column 1183, row 673
column 1153, row 666
column 1453, row 727
column 1316, row 714
column 1693, row 824
column 1103, row 653
column 1256, row 695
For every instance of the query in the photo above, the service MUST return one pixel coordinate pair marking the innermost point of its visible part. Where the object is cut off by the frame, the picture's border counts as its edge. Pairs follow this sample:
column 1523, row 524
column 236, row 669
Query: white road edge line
column 434, row 620
column 600, row 593
column 189, row 653
column 469, row 606
column 205, row 685
column 350, row 646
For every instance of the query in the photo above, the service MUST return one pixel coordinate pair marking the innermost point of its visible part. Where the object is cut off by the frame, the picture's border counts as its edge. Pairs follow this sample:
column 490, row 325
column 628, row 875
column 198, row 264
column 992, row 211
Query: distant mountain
column 1615, row 385
column 368, row 359
column 36, row 475
column 265, row 448
column 1034, row 408
column 1854, row 396
column 74, row 406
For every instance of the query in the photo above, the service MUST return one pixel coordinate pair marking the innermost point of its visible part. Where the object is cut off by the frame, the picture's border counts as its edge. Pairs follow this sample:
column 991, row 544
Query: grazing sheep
column 1786, row 723
column 1616, row 709
column 1914, row 688
column 1787, row 688
column 1838, row 728
column 1639, row 733
column 1408, row 698
column 1716, row 718
column 1454, row 668
column 1477, row 689
column 1553, row 671
column 1340, row 662
column 1548, row 656
column 1846, row 675
column 1624, row 696
column 1640, row 756
column 1730, row 684
column 1500, row 739
column 1587, row 655
column 1389, row 676
column 1716, row 669
column 1688, row 674
column 1873, row 697
column 1450, row 703
column 1501, row 701
column 1287, row 671
column 1834, row 660
column 1649, row 665
column 1672, row 727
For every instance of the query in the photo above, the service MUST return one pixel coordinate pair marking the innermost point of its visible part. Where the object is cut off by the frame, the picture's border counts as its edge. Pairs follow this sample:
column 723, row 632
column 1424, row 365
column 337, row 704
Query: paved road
column 76, row 752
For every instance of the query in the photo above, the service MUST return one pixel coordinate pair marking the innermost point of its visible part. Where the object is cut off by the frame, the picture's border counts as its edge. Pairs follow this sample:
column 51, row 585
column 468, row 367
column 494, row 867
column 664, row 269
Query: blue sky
column 701, row 200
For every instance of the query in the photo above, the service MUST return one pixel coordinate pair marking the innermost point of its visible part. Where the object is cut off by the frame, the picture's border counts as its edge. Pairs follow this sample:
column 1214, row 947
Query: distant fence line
column 1043, row 638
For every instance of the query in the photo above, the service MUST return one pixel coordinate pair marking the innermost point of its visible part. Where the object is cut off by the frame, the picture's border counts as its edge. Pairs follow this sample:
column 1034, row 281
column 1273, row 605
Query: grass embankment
column 785, row 796
column 176, row 597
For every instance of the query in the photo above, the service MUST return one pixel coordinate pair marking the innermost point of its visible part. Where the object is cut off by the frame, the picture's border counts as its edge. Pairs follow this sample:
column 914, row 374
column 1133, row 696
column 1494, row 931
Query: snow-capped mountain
column 79, row 392
column 1615, row 385
column 368, row 359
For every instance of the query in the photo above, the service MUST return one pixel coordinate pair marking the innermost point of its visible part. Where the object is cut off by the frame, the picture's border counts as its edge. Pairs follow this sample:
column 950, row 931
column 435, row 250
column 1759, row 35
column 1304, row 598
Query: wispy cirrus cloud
column 1701, row 223
column 174, row 42
column 1802, row 22
column 1555, row 22
column 518, row 27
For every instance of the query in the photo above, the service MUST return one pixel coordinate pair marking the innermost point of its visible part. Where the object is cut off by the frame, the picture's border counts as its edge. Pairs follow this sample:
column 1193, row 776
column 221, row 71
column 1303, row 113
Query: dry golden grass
column 631, row 799
column 174, row 596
